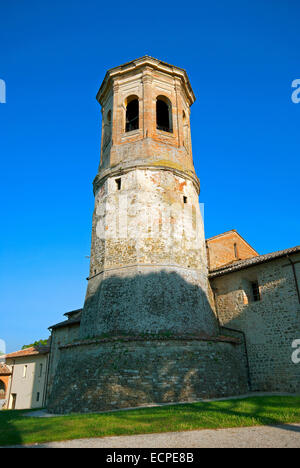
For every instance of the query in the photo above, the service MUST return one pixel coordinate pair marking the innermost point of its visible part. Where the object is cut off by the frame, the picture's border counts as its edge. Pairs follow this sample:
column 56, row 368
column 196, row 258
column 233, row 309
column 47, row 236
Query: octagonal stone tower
column 148, row 269
column 148, row 333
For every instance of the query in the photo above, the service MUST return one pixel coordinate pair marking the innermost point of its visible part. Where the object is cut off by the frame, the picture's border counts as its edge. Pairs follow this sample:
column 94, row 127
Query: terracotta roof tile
column 27, row 352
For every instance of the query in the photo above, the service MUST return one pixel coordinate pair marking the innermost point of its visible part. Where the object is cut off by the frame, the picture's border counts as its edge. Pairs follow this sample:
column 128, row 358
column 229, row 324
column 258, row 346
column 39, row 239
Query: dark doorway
column 13, row 400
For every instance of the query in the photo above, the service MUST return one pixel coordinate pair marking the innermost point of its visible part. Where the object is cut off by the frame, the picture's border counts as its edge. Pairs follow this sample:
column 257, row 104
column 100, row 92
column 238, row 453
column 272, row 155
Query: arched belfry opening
column 132, row 113
column 164, row 114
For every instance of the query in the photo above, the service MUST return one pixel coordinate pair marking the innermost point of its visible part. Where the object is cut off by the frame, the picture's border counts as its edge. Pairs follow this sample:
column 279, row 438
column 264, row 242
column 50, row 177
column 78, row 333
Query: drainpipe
column 237, row 331
column 295, row 276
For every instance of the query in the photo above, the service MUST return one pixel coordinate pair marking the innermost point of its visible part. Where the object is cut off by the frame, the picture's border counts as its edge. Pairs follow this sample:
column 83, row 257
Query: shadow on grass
column 9, row 434
column 15, row 429
column 270, row 411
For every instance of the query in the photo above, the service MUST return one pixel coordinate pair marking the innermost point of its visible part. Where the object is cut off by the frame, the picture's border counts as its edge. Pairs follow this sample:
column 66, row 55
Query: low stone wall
column 107, row 375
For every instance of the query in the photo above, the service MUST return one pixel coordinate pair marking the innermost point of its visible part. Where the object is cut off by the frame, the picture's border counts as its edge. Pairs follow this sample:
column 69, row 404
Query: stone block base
column 99, row 376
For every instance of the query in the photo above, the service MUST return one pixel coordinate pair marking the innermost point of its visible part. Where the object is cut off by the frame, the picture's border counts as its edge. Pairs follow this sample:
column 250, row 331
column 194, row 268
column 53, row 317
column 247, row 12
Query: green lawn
column 254, row 411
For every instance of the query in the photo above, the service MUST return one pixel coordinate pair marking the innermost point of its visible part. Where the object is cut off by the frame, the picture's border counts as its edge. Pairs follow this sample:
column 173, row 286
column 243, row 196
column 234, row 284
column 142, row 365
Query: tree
column 36, row 344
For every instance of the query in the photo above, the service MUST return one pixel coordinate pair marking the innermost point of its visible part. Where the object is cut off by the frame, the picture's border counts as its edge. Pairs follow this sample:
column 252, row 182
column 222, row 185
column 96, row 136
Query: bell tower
column 145, row 118
column 147, row 333
column 148, row 269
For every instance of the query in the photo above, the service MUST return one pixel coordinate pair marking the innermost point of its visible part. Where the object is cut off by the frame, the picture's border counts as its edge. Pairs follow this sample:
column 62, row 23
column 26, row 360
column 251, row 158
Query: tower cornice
column 141, row 63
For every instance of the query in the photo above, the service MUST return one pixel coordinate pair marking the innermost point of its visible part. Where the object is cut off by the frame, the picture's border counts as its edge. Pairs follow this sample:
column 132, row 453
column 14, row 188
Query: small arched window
column 132, row 114
column 164, row 114
column 2, row 389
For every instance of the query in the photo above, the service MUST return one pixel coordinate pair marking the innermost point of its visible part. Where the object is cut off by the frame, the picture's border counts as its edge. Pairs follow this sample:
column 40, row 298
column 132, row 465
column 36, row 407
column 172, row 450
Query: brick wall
column 59, row 337
column 227, row 248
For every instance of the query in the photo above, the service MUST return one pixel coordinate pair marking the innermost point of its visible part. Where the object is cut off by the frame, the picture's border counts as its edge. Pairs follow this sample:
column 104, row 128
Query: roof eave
column 253, row 261
column 16, row 354
column 66, row 323
column 142, row 62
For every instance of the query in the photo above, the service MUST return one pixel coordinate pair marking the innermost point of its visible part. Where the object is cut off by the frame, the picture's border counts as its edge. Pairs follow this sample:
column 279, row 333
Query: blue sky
column 241, row 57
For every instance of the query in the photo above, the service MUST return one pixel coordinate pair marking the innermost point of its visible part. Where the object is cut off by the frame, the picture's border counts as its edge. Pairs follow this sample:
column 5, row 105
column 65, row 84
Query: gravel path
column 285, row 436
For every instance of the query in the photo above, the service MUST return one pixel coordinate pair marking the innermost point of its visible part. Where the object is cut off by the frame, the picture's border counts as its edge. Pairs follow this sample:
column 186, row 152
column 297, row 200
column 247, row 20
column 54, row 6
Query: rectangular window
column 236, row 254
column 255, row 291
column 118, row 182
column 38, row 396
column 25, row 372
column 184, row 199
column 41, row 370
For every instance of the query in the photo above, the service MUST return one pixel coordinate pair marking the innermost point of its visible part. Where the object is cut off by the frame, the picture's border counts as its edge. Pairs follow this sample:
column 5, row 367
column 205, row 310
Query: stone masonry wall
column 59, row 337
column 101, row 376
column 148, row 270
column 271, row 324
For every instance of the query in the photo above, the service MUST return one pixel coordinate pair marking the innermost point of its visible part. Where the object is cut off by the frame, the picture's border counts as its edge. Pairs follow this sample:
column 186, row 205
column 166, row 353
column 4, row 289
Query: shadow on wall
column 154, row 348
column 148, row 303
